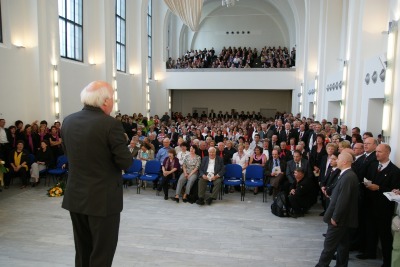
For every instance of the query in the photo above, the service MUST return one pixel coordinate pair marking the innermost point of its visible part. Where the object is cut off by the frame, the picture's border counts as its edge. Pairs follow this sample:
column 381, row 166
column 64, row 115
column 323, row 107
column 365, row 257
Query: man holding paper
column 383, row 176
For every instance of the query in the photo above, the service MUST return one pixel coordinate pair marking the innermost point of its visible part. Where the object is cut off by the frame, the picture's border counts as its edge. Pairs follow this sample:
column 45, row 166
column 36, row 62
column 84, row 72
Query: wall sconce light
column 391, row 55
column 148, row 100
column 19, row 46
column 116, row 100
column 315, row 95
column 56, row 92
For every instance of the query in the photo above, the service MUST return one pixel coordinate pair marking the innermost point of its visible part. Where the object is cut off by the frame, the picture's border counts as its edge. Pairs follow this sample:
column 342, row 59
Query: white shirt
column 384, row 165
column 211, row 165
column 249, row 152
column 3, row 136
column 240, row 159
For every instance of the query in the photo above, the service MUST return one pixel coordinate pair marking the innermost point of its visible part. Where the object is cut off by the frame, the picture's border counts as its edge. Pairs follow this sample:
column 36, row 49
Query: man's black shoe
column 200, row 201
column 209, row 201
column 297, row 215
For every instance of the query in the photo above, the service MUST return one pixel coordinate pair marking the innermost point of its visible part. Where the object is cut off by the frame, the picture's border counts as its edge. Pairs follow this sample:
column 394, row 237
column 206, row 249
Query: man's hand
column 292, row 192
column 372, row 187
column 333, row 222
column 205, row 177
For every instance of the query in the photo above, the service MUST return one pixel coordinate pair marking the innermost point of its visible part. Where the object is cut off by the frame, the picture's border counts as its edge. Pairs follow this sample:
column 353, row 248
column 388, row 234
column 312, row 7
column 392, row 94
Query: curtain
column 189, row 11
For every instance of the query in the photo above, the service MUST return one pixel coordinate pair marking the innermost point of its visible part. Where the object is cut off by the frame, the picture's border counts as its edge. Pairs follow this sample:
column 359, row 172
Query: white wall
column 265, row 29
column 225, row 100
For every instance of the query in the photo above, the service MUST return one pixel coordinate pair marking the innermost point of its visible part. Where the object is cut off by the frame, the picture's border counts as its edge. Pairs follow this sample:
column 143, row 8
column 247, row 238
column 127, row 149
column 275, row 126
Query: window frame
column 121, row 44
column 76, row 26
column 1, row 26
column 149, row 24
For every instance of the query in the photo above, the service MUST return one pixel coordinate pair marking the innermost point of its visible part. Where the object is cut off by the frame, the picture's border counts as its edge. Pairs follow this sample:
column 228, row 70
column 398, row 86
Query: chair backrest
column 152, row 167
column 61, row 160
column 136, row 166
column 254, row 172
column 31, row 159
column 233, row 171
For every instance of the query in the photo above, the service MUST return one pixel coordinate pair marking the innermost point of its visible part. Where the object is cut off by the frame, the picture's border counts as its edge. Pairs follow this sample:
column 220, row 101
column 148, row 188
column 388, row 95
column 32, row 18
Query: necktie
column 380, row 167
column 276, row 163
column 202, row 154
column 297, row 165
column 220, row 154
column 301, row 135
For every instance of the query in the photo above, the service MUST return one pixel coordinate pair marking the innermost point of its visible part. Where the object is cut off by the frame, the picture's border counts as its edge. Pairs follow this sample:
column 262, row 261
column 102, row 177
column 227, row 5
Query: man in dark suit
column 301, row 194
column 360, row 167
column 287, row 134
column 278, row 129
column 211, row 169
column 297, row 162
column 302, row 135
column 341, row 214
column 5, row 138
column 212, row 114
column 275, row 171
column 96, row 148
column 384, row 177
column 173, row 136
column 343, row 133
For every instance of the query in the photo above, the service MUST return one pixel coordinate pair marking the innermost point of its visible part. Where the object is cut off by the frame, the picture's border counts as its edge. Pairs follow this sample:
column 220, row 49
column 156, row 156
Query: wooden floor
column 36, row 231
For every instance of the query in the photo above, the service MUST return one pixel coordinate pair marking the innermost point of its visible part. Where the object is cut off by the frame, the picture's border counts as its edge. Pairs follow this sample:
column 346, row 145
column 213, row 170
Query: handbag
column 396, row 224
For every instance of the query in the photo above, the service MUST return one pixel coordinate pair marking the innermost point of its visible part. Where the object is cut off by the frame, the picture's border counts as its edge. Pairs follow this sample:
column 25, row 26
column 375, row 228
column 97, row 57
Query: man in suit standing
column 96, row 148
column 343, row 133
column 384, row 177
column 341, row 214
column 297, row 162
column 211, row 169
column 173, row 136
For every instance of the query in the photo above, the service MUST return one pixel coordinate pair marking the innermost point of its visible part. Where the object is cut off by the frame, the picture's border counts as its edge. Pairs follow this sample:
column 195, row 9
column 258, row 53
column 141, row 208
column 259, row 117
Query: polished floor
column 36, row 231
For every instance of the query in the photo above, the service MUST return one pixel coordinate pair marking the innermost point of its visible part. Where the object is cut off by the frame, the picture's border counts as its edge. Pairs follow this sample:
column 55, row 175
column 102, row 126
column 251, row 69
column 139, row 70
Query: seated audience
column 170, row 167
column 212, row 169
column 18, row 160
column 44, row 158
column 190, row 167
column 275, row 172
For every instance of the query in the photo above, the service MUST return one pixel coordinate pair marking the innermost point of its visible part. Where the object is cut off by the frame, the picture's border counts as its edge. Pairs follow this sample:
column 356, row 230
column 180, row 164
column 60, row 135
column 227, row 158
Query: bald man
column 341, row 214
column 95, row 145
column 385, row 176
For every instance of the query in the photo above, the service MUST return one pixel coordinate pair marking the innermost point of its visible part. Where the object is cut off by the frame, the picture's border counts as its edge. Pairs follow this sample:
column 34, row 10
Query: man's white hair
column 96, row 97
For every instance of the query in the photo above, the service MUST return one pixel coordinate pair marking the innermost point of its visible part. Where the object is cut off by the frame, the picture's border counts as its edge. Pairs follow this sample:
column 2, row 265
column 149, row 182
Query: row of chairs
column 232, row 176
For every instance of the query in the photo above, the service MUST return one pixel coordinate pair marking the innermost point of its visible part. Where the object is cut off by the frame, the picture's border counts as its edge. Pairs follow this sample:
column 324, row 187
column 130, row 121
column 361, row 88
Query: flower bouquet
column 3, row 169
column 57, row 190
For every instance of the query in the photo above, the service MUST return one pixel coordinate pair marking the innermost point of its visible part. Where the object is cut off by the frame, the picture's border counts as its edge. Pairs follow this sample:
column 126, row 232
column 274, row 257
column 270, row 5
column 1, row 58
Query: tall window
column 149, row 41
column 120, row 16
column 71, row 29
column 1, row 26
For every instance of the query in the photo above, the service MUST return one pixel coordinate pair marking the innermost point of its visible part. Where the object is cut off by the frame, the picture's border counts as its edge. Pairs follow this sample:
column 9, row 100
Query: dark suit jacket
column 291, row 166
column 387, row 179
column 365, row 165
column 357, row 167
column 343, row 207
column 200, row 152
column 96, row 148
column 270, row 165
column 174, row 138
column 219, row 167
column 284, row 137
